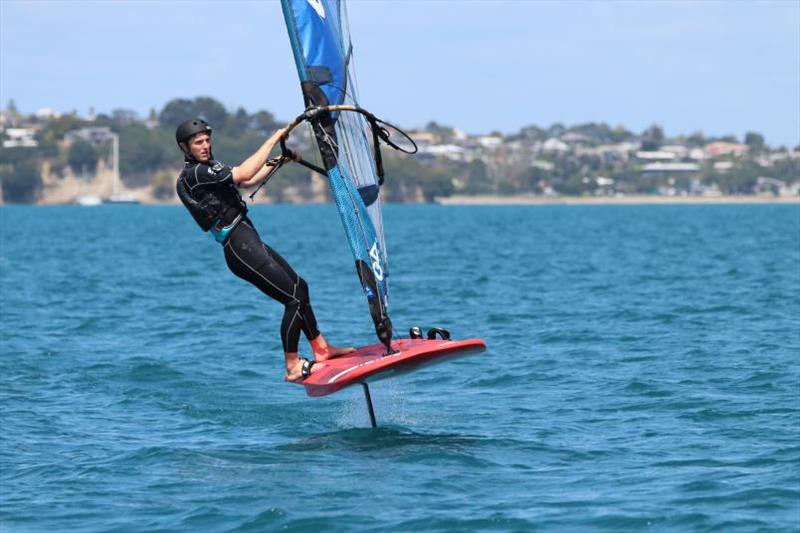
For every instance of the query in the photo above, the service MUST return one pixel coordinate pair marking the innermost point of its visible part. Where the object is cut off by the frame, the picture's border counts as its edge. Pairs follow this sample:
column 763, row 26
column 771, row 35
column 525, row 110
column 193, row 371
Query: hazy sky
column 720, row 67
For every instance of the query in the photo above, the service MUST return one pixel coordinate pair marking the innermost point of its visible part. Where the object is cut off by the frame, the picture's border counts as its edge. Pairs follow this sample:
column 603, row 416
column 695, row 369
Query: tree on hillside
column 530, row 179
column 47, row 147
column 652, row 138
column 12, row 156
column 233, row 150
column 621, row 133
column 55, row 130
column 82, row 158
column 596, row 131
column 12, row 112
column 696, row 139
column 533, row 133
column 144, row 151
column 180, row 109
column 404, row 174
column 21, row 180
column 238, row 123
column 176, row 111
column 445, row 133
column 478, row 181
column 787, row 169
column 556, row 130
column 122, row 117
column 739, row 180
column 755, row 141
column 213, row 111
column 439, row 129
column 263, row 123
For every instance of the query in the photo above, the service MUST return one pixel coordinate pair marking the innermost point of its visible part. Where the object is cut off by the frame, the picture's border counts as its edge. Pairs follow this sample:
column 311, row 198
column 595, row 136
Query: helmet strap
column 187, row 154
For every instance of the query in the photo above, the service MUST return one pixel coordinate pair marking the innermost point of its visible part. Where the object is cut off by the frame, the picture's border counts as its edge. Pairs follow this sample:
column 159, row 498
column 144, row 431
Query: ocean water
column 643, row 372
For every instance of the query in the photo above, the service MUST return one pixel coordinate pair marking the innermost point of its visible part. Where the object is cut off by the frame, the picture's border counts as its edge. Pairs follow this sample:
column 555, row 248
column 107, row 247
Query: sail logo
column 317, row 6
column 375, row 255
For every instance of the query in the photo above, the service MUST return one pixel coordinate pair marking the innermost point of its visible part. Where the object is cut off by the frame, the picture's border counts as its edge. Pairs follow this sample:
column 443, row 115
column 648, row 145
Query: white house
column 449, row 151
column 93, row 135
column 555, row 145
column 656, row 156
column 490, row 142
column 669, row 169
column 20, row 137
column 46, row 113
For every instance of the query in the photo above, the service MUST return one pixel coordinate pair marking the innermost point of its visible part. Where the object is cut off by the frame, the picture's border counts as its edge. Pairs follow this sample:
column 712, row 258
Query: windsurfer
column 209, row 190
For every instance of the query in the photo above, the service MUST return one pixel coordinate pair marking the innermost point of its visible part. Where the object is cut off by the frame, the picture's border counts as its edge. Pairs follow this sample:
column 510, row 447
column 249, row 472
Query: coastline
column 613, row 200
column 146, row 198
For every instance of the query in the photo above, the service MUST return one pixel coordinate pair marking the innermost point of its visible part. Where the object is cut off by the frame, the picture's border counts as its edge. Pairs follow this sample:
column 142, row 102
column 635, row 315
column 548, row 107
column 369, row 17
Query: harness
column 221, row 232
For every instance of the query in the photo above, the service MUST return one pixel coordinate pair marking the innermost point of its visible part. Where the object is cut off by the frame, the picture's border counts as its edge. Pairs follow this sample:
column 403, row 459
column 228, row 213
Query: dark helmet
column 190, row 128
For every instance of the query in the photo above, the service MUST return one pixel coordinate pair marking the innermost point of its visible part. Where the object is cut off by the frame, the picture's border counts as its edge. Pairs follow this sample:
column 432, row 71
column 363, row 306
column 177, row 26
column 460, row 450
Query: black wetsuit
column 212, row 194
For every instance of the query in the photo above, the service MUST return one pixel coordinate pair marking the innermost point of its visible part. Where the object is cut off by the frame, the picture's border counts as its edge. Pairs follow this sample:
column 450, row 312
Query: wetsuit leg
column 252, row 260
column 309, row 321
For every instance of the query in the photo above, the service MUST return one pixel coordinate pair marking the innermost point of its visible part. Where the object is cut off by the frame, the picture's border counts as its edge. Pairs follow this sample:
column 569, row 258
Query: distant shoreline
column 613, row 200
column 543, row 200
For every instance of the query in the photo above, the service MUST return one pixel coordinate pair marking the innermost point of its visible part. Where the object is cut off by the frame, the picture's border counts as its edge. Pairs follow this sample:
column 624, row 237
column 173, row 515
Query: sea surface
column 643, row 373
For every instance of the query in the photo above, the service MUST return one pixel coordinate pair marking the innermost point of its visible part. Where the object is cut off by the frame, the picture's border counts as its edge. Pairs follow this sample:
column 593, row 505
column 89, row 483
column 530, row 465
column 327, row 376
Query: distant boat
column 116, row 196
column 121, row 199
column 88, row 200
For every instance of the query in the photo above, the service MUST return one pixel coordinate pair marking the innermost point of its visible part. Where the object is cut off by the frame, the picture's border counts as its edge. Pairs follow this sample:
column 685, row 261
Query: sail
column 323, row 55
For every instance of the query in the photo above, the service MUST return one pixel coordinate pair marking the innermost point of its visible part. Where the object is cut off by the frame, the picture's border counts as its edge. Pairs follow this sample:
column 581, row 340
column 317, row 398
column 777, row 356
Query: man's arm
column 253, row 165
column 263, row 171
column 257, row 178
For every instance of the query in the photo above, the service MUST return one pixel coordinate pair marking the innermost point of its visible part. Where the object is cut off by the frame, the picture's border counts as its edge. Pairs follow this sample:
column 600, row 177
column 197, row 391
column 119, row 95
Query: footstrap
column 306, row 368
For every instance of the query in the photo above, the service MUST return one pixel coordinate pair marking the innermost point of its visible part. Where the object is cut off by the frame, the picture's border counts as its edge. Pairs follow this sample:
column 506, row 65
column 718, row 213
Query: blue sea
column 643, row 373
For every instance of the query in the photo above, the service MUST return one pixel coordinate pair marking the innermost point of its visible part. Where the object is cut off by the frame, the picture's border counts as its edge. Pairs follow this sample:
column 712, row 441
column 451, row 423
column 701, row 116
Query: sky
column 718, row 67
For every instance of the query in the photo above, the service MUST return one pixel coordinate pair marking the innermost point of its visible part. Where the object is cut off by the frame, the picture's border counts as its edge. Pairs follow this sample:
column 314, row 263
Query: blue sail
column 320, row 40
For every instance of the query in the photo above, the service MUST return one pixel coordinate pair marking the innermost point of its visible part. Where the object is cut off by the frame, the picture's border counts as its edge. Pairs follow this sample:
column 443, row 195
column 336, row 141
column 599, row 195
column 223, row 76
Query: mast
column 322, row 51
column 115, row 185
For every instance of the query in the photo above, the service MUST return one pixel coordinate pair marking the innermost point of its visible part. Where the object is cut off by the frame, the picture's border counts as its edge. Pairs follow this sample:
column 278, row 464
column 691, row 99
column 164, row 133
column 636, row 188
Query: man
column 209, row 191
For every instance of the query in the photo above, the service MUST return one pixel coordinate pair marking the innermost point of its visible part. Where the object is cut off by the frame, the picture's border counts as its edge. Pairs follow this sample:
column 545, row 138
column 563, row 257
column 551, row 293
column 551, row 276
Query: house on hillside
column 575, row 139
column 93, row 135
column 717, row 149
column 19, row 138
column 608, row 152
column 765, row 185
column 489, row 142
column 46, row 113
column 555, row 145
column 654, row 156
column 666, row 170
column 424, row 138
column 722, row 166
column 447, row 151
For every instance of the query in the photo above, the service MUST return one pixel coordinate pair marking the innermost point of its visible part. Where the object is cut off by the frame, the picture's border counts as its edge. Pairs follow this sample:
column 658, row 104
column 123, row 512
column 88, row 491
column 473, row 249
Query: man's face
column 200, row 146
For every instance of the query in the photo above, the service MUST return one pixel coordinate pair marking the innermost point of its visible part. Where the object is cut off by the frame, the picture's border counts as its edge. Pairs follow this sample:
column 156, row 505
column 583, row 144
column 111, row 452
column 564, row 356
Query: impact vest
column 209, row 193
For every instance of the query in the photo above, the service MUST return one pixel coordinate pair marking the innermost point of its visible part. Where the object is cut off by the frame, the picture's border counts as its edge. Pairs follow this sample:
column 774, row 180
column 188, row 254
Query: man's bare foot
column 332, row 351
column 294, row 369
column 324, row 351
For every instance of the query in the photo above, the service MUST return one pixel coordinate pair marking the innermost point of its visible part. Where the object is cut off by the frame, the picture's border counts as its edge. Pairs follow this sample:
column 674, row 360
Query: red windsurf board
column 371, row 363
